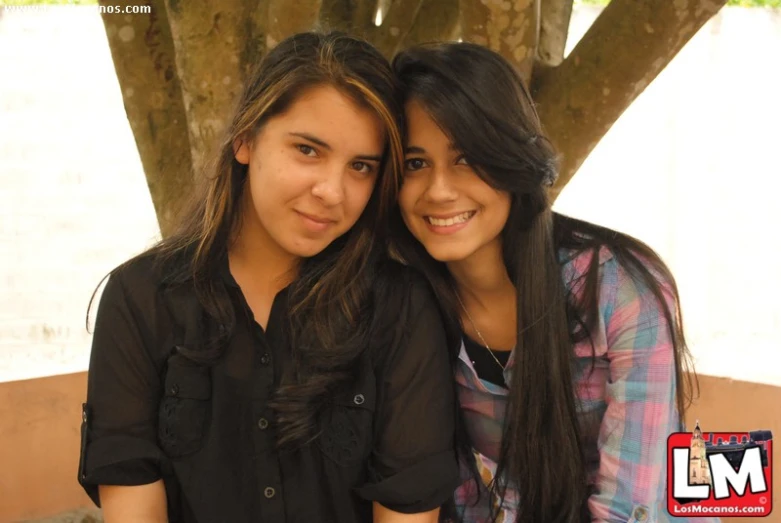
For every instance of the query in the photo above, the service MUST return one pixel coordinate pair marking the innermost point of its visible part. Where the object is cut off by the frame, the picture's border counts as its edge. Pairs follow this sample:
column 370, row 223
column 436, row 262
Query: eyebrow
column 324, row 145
column 414, row 149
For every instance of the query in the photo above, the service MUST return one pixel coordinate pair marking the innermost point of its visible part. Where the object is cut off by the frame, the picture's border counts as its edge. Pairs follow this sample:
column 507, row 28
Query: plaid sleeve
column 641, row 407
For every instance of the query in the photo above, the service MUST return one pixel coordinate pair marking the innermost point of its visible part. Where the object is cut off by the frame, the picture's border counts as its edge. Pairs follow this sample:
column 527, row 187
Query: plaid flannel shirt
column 631, row 393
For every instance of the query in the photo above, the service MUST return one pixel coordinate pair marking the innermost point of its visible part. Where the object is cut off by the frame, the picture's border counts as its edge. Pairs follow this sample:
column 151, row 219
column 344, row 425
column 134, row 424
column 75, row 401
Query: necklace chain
column 474, row 326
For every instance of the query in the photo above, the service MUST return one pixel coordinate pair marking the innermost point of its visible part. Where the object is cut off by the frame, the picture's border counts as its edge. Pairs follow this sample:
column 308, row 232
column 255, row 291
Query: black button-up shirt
column 207, row 430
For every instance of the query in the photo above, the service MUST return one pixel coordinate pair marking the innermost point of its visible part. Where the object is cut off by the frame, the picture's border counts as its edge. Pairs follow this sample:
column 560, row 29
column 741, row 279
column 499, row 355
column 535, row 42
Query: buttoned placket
column 269, row 473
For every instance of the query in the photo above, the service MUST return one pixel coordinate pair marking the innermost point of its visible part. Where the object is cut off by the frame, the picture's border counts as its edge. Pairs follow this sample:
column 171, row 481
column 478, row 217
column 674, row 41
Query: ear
column 241, row 150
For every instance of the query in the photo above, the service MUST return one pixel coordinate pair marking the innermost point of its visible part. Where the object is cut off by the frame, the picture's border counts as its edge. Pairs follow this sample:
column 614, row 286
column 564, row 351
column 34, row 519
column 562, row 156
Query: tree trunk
column 507, row 27
column 143, row 54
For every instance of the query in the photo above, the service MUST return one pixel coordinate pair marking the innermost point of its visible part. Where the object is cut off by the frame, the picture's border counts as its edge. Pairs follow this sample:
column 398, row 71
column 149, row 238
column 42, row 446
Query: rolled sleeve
column 119, row 419
column 414, row 466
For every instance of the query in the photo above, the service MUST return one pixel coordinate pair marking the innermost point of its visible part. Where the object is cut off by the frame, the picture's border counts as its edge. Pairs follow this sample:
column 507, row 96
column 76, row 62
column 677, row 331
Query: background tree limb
column 623, row 51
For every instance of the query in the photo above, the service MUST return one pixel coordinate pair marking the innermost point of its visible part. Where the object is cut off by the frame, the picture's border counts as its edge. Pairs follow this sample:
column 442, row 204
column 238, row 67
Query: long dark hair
column 331, row 291
column 481, row 102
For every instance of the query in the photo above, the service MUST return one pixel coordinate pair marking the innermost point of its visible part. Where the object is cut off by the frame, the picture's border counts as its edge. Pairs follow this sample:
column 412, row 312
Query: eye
column 414, row 164
column 363, row 167
column 461, row 160
column 306, row 150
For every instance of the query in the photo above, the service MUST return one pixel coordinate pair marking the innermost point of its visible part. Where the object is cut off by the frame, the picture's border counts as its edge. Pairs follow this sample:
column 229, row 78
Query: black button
column 269, row 492
column 84, row 416
column 262, row 423
column 174, row 390
column 265, row 359
column 359, row 399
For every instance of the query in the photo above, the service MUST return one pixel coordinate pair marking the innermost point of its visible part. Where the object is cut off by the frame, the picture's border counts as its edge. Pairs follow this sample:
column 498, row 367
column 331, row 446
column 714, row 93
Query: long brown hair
column 480, row 101
column 331, row 289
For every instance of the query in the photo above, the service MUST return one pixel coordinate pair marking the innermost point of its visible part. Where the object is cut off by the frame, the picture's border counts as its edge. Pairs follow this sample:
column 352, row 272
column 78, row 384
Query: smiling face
column 311, row 172
column 444, row 203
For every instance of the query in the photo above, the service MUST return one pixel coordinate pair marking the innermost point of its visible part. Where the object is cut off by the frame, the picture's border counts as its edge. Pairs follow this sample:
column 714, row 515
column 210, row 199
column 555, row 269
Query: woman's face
column 311, row 171
column 445, row 204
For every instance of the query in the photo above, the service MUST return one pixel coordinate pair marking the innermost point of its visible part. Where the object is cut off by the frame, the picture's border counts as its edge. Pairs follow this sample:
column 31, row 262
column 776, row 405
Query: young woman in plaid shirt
column 570, row 360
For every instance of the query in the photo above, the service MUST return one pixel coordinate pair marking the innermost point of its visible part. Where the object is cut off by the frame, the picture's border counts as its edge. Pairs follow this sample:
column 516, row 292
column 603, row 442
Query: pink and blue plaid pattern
column 630, row 394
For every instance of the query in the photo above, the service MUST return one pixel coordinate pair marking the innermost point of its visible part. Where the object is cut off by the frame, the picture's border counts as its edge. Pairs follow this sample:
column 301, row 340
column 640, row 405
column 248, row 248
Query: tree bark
column 396, row 24
column 286, row 18
column 508, row 27
column 436, row 20
column 554, row 26
column 143, row 54
column 216, row 44
column 625, row 49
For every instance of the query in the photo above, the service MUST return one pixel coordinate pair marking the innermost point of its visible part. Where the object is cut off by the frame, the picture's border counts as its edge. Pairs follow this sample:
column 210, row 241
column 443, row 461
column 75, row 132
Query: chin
column 446, row 253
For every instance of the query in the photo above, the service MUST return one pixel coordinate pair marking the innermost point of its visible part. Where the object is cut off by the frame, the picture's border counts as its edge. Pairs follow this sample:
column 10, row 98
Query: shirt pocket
column 347, row 433
column 185, row 408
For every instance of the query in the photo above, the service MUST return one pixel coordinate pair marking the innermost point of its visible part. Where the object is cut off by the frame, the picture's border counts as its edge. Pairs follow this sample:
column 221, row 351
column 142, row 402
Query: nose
column 329, row 188
column 439, row 188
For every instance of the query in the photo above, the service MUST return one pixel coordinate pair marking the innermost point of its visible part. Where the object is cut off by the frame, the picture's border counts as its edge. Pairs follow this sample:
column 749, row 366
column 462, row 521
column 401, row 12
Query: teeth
column 461, row 218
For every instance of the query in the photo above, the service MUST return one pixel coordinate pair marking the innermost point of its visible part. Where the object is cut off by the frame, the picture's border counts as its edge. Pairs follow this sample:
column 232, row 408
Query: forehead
column 333, row 116
column 421, row 127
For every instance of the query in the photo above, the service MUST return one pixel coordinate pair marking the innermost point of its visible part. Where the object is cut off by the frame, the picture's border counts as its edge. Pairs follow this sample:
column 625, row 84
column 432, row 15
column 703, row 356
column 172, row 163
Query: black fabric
column 485, row 366
column 153, row 413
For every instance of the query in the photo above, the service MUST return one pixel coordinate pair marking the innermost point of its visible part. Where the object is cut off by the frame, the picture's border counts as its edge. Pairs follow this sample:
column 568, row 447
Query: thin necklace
column 474, row 326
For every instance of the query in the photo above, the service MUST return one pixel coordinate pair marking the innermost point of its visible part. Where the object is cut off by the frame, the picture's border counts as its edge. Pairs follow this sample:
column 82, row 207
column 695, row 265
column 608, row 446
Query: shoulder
column 139, row 278
column 398, row 282
column 145, row 291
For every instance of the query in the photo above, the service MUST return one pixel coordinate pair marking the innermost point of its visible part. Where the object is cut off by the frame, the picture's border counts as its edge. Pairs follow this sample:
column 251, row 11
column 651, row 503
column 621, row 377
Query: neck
column 257, row 262
column 482, row 280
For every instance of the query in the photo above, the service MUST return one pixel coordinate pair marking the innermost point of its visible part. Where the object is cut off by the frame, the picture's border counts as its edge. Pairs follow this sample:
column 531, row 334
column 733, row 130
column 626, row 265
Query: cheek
column 357, row 196
column 407, row 198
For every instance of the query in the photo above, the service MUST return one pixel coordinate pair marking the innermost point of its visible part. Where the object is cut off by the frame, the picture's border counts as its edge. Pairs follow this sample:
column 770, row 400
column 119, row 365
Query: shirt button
column 174, row 390
column 640, row 514
column 359, row 399
column 265, row 359
column 269, row 492
column 262, row 423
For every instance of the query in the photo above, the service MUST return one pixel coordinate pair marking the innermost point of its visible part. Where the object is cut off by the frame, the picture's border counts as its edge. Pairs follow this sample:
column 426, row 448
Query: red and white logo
column 720, row 473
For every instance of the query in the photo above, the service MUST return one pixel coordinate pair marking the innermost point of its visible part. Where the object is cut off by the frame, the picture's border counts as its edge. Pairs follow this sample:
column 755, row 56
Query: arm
column 414, row 466
column 120, row 460
column 640, row 394
column 386, row 515
column 138, row 504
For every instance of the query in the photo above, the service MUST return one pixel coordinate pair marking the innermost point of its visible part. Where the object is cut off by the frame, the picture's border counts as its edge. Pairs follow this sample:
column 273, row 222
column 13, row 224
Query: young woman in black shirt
column 267, row 363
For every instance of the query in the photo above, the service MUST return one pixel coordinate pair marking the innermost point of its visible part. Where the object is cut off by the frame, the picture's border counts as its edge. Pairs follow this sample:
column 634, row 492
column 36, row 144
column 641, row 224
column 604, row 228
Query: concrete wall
column 40, row 420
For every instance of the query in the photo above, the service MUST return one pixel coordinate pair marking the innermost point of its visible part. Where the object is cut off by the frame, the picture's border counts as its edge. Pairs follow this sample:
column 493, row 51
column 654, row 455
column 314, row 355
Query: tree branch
column 626, row 48
column 436, row 20
column 507, row 27
column 143, row 54
column 554, row 25
column 214, row 44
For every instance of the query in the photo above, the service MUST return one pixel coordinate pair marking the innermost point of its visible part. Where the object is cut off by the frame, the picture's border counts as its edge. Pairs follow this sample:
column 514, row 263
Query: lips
column 317, row 219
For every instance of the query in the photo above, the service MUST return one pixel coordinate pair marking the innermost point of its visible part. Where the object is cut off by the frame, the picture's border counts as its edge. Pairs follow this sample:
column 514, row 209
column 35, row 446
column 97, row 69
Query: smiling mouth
column 452, row 220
